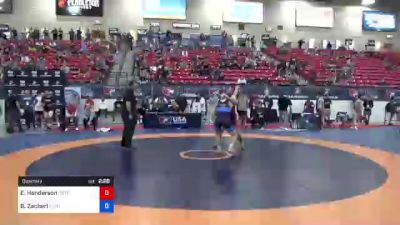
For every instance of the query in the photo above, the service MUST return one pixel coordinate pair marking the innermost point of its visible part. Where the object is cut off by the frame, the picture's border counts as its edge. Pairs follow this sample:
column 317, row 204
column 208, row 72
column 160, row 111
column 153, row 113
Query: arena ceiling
column 392, row 5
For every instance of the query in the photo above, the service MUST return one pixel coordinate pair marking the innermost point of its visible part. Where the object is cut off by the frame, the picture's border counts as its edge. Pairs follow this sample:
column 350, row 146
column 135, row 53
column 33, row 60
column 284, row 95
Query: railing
column 119, row 78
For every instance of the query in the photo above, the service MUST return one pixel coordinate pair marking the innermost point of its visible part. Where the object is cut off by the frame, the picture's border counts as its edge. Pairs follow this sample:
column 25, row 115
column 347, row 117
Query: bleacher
column 81, row 64
column 371, row 71
column 214, row 56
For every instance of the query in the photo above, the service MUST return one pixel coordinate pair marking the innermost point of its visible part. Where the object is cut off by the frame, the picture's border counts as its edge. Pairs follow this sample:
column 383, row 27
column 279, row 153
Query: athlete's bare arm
column 233, row 98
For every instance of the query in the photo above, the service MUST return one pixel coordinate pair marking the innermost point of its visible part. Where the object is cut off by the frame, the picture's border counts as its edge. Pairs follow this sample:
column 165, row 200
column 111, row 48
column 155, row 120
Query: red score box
column 107, row 193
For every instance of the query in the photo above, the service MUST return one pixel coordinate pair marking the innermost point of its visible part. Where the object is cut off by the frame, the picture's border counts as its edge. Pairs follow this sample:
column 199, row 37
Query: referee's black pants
column 128, row 132
column 14, row 118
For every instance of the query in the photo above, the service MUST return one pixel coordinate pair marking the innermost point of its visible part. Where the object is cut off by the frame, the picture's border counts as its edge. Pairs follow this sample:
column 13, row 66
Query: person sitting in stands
column 100, row 64
column 15, row 65
column 41, row 64
column 25, row 59
column 65, row 68
column 234, row 65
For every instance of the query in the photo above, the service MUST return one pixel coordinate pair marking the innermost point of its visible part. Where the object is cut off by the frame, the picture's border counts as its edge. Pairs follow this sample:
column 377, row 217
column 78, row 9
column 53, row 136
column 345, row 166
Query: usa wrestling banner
column 79, row 8
column 31, row 82
column 171, row 120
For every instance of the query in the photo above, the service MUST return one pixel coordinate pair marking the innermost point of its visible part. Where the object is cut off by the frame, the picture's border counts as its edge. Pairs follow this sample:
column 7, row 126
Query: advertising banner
column 292, row 92
column 171, row 120
column 32, row 82
column 72, row 100
column 79, row 8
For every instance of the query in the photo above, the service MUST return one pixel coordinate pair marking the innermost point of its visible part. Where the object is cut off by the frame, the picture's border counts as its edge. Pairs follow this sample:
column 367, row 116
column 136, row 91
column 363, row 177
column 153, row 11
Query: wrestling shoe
column 217, row 148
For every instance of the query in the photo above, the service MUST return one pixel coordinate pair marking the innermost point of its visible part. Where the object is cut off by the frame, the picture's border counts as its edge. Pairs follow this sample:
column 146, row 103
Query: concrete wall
column 127, row 15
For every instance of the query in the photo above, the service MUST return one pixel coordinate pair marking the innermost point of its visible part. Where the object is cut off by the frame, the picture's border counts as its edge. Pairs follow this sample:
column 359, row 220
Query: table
column 171, row 120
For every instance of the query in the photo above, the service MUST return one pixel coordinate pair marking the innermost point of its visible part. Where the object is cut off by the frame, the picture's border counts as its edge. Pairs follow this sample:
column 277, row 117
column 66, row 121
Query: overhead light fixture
column 367, row 2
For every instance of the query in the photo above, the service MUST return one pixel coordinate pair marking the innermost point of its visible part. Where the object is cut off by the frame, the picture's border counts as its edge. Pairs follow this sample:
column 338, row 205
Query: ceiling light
column 367, row 2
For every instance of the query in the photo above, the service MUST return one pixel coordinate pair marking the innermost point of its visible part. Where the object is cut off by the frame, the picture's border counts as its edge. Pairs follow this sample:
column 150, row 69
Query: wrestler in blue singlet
column 224, row 116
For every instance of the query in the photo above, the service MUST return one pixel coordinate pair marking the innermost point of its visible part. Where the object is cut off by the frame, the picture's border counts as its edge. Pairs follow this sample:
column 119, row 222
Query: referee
column 129, row 116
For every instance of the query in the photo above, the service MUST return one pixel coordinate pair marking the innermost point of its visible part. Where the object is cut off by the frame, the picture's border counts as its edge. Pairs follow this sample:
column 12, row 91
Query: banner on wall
column 32, row 82
column 72, row 99
column 292, row 92
column 79, row 8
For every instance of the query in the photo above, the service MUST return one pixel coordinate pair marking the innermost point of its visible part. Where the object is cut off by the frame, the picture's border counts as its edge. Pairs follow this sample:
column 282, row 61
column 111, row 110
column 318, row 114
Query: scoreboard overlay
column 66, row 195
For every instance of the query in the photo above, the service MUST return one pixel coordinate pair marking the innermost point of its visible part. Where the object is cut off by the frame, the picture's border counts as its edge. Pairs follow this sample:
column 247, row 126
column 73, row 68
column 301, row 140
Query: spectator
column 195, row 107
column 284, row 104
column 102, row 108
column 253, row 42
column 329, row 45
column 309, row 106
column 300, row 43
column 48, row 109
column 368, row 105
column 234, row 65
column 46, row 33
column 89, row 114
column 358, row 109
column 79, row 34
column 60, row 33
column 117, row 107
column 256, row 115
column 25, row 59
column 54, row 33
column 250, row 63
column 88, row 34
column 41, row 64
column 38, row 107
column 100, row 64
column 268, row 102
column 326, row 110
column 14, row 33
column 242, row 80
column 203, row 106
column 217, row 74
column 181, row 101
column 160, row 104
column 36, row 33
column 65, row 68
column 28, row 110
column 71, row 34
column 15, row 65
